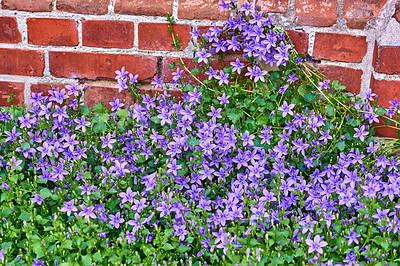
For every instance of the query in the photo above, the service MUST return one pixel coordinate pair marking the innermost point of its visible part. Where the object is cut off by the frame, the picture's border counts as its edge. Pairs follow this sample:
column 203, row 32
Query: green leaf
column 67, row 244
column 45, row 193
column 156, row 120
column 288, row 258
column 381, row 111
column 234, row 114
column 98, row 108
column 299, row 252
column 172, row 65
column 183, row 249
column 188, row 87
column 87, row 260
column 195, row 71
column 25, row 146
column 192, row 141
column 254, row 242
column 340, row 145
column 25, row 216
column 100, row 127
column 97, row 256
column 330, row 110
column 85, row 110
column 302, row 90
column 122, row 113
column 167, row 246
column 310, row 97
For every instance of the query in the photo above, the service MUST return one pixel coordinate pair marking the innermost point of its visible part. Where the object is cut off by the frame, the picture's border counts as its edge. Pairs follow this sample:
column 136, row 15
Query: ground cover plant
column 250, row 167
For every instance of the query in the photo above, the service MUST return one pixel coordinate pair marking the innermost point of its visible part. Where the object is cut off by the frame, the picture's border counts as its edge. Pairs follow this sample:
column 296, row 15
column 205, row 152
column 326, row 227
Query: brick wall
column 56, row 42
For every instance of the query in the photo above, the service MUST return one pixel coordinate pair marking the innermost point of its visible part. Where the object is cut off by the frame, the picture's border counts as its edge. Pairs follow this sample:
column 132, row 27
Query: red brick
column 155, row 36
column 50, row 31
column 106, row 33
column 358, row 12
column 9, row 32
column 21, row 62
column 97, row 7
column 300, row 40
column 349, row 77
column 190, row 64
column 28, row 5
column 17, row 88
column 387, row 90
column 339, row 47
column 322, row 13
column 100, row 65
column 278, row 6
column 387, row 59
column 147, row 7
column 201, row 9
column 396, row 14
column 104, row 94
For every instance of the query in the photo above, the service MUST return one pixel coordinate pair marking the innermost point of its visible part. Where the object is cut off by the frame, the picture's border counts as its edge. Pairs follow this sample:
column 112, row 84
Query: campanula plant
column 252, row 166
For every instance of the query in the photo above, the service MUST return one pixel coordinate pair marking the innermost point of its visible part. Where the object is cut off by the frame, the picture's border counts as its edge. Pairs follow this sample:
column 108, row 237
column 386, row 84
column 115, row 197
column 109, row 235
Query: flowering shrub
column 249, row 167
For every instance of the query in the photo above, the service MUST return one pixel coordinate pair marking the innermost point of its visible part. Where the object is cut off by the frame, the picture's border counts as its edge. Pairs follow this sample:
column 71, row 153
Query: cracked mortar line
column 374, row 29
column 111, row 7
column 175, row 7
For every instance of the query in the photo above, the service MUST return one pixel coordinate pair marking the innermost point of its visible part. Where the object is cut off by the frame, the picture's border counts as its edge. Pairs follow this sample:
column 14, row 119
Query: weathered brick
column 386, row 90
column 100, row 65
column 28, row 5
column 21, row 62
column 358, row 12
column 386, row 59
column 106, row 33
column 97, row 7
column 50, row 31
column 140, row 7
column 104, row 94
column 300, row 40
column 17, row 88
column 322, row 13
column 201, row 9
column 349, row 77
column 339, row 47
column 396, row 14
column 278, row 6
column 9, row 32
column 155, row 36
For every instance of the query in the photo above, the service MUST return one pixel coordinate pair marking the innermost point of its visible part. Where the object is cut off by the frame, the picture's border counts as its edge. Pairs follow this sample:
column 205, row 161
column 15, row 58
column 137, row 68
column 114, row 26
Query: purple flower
column 223, row 78
column 37, row 262
column 203, row 56
column 316, row 245
column 360, row 133
column 256, row 73
column 286, row 109
column 69, row 207
column 180, row 231
column 223, row 99
column 237, row 66
column 224, row 6
column 115, row 220
column 87, row 212
column 37, row 199
column 107, row 141
column 158, row 82
column 352, row 237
